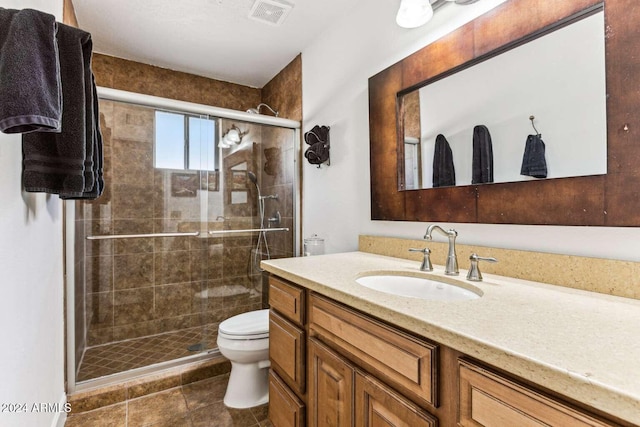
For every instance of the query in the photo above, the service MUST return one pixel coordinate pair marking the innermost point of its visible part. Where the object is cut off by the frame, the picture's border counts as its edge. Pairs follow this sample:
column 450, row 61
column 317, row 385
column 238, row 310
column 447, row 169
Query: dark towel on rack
column 93, row 166
column 482, row 166
column 533, row 161
column 30, row 89
column 69, row 163
column 444, row 174
column 318, row 139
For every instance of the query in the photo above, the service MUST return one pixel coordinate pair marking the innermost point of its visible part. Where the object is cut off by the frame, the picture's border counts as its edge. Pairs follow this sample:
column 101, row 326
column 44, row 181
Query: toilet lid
column 246, row 325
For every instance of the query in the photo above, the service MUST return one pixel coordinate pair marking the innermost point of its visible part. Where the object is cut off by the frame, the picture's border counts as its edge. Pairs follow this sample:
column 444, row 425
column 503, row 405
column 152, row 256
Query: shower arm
column 257, row 109
column 271, row 109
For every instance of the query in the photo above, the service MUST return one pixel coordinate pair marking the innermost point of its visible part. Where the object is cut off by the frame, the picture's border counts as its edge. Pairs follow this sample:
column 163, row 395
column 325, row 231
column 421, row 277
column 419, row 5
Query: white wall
column 31, row 283
column 336, row 202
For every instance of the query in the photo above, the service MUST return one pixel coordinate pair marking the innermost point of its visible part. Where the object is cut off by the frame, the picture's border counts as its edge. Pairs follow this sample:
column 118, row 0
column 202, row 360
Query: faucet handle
column 474, row 271
column 426, row 261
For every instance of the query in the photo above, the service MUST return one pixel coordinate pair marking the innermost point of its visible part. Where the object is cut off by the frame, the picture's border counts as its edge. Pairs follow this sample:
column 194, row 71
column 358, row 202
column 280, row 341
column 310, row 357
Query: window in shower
column 184, row 141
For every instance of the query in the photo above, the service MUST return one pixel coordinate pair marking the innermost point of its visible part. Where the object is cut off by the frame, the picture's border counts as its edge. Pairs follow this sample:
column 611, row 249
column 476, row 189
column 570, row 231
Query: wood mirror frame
column 600, row 200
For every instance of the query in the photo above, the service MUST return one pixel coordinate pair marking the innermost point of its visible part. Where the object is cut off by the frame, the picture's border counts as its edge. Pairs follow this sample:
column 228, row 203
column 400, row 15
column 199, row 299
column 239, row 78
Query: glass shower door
column 143, row 290
column 174, row 244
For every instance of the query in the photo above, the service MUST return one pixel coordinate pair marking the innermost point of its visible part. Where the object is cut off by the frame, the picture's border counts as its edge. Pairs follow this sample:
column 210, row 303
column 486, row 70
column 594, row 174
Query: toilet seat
column 252, row 325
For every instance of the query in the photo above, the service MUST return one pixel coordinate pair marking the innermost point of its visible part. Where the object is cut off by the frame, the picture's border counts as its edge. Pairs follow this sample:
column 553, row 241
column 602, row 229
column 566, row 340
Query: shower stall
column 173, row 246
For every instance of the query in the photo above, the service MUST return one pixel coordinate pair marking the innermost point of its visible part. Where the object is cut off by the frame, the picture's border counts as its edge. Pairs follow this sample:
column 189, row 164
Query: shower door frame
column 117, row 95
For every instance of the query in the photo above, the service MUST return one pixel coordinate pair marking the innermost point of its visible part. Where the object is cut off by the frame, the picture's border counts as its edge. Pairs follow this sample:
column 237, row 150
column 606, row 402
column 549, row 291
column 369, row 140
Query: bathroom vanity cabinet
column 332, row 365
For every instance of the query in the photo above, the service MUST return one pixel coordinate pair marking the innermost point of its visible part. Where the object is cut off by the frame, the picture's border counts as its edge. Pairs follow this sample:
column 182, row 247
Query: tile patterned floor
column 197, row 404
column 125, row 355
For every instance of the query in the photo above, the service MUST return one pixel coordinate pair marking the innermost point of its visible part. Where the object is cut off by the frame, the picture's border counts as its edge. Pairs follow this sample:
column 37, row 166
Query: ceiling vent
column 272, row 12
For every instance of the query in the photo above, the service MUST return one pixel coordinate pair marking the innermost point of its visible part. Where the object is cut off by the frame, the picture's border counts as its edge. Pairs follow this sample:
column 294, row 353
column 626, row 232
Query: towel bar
column 135, row 236
column 191, row 234
column 250, row 230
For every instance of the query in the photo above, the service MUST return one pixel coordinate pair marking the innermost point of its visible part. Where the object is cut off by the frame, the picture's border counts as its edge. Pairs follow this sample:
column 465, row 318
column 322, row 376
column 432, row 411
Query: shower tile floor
column 122, row 356
column 197, row 404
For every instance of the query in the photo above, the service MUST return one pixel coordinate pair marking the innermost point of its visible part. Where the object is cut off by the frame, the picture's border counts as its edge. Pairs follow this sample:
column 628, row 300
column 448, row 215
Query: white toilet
column 244, row 340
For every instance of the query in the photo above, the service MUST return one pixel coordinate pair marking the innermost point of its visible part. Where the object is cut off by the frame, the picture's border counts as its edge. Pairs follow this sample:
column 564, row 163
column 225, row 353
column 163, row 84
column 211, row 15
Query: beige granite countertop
column 581, row 344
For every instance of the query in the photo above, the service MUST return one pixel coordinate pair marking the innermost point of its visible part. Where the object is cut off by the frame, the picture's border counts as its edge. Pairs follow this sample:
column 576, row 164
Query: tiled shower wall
column 277, row 175
column 135, row 77
column 284, row 93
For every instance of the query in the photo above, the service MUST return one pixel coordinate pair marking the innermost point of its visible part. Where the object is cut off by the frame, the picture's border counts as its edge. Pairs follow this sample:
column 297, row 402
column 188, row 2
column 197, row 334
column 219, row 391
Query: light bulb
column 233, row 137
column 414, row 13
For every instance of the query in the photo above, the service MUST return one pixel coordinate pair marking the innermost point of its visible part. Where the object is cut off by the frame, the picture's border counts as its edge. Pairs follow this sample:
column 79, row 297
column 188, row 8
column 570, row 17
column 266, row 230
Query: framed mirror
column 606, row 195
column 540, row 105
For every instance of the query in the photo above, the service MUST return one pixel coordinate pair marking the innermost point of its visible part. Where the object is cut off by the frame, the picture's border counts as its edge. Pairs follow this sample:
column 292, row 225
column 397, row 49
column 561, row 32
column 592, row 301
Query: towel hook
column 532, row 118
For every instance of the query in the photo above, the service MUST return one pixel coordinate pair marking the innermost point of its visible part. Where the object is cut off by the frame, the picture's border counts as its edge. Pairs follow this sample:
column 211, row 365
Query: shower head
column 257, row 109
column 252, row 177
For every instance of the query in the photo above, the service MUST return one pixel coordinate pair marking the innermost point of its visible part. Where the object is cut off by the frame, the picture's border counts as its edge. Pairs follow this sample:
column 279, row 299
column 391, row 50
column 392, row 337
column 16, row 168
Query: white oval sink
column 417, row 287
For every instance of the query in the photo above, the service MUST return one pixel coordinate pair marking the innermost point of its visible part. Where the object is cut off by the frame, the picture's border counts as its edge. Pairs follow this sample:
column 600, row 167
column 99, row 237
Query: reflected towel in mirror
column 533, row 161
column 482, row 156
column 444, row 173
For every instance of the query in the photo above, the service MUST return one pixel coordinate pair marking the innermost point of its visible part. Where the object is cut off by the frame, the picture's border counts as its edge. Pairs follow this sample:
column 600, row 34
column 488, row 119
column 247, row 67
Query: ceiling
column 211, row 38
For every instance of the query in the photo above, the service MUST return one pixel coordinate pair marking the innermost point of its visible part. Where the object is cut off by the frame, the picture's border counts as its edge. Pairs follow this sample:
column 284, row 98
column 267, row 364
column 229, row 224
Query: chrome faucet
column 451, row 267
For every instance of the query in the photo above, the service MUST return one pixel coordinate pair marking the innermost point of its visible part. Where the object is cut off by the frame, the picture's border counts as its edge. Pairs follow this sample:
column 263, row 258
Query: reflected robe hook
column 534, row 126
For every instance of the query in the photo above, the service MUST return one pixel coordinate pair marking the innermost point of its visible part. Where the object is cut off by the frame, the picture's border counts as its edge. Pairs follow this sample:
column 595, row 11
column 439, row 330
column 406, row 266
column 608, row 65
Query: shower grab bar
column 135, row 236
column 191, row 234
column 249, row 230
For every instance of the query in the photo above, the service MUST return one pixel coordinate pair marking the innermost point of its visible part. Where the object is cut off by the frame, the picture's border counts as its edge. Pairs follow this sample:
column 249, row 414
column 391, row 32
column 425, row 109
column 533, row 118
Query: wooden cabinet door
column 285, row 409
column 330, row 402
column 287, row 351
column 379, row 406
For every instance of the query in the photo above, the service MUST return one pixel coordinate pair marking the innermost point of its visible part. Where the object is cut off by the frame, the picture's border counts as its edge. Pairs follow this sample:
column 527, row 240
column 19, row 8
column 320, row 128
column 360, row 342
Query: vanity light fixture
column 233, row 136
column 463, row 2
column 414, row 13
